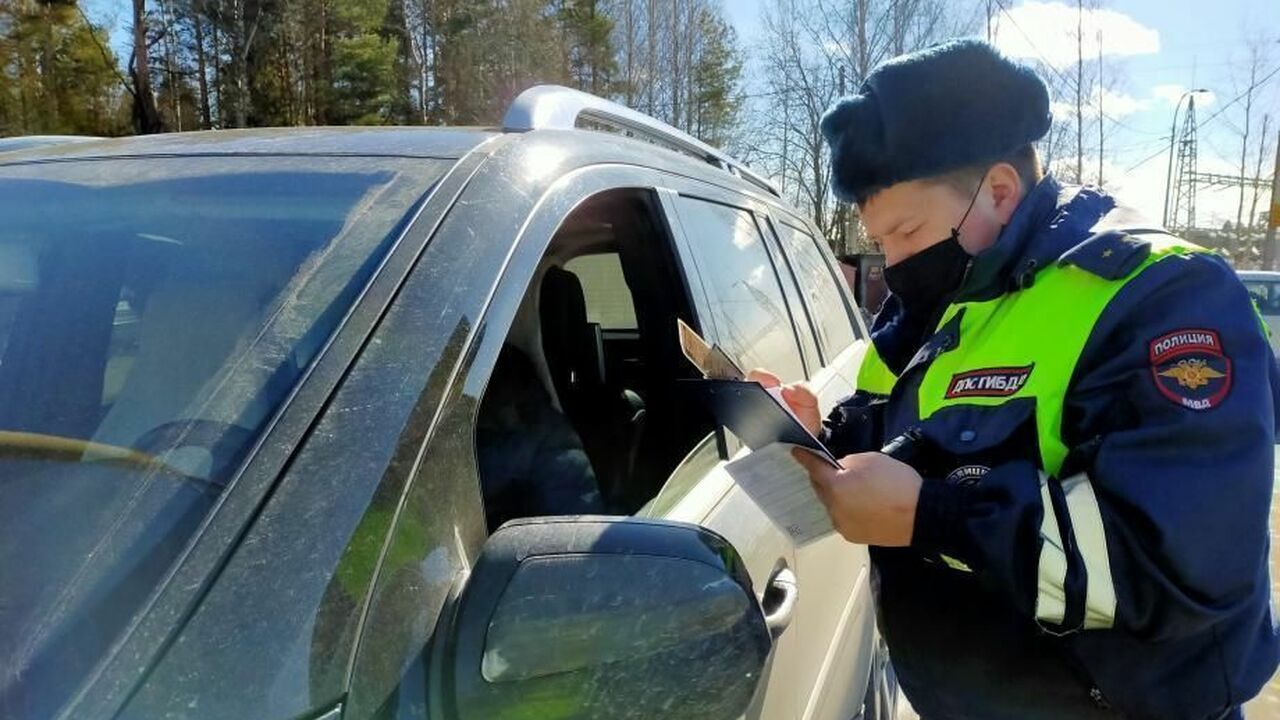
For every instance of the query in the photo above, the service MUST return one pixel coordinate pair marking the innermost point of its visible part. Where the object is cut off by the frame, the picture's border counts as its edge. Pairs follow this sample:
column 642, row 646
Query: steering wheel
column 222, row 440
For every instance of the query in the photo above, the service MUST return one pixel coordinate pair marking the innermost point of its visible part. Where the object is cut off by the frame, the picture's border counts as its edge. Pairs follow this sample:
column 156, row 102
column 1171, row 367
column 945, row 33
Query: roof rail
column 556, row 107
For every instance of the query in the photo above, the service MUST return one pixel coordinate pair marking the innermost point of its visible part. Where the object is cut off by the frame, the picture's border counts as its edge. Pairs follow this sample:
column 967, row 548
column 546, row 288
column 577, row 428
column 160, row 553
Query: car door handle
column 779, row 602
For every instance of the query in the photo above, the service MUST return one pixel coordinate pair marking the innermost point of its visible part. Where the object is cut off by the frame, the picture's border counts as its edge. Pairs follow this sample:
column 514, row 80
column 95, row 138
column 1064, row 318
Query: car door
column 750, row 305
column 835, row 617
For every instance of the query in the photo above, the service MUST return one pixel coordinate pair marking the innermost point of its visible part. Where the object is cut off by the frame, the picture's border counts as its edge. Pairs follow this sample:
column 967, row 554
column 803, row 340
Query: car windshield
column 154, row 314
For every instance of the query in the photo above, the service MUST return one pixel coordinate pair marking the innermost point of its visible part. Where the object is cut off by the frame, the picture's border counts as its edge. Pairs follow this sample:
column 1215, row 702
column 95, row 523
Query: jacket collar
column 1049, row 221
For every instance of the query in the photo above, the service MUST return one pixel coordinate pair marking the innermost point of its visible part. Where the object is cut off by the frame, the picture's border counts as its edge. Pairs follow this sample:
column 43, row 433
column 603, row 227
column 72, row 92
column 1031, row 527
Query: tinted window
column 153, row 315
column 605, row 288
column 822, row 296
column 747, row 310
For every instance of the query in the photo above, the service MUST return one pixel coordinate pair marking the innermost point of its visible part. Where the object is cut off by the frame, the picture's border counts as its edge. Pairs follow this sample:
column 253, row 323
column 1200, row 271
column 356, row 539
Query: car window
column 748, row 312
column 154, row 314
column 826, row 304
column 801, row 322
column 605, row 289
column 700, row 461
column 1265, row 294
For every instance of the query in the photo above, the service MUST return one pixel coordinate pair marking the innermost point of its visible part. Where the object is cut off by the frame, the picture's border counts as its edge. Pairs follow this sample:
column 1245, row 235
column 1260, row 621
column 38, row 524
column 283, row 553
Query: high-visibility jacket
column 1096, row 416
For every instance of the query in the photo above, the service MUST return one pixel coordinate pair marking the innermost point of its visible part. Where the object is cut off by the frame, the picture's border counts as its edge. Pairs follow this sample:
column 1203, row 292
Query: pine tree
column 717, row 76
column 586, row 32
column 59, row 75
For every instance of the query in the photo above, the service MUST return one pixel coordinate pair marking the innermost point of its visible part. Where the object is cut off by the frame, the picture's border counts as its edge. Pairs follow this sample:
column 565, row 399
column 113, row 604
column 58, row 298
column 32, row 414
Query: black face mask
column 926, row 280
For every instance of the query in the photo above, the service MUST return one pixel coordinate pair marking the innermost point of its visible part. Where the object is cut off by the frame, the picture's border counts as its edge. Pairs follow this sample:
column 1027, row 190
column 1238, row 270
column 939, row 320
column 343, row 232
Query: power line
column 1241, row 96
column 1072, row 86
column 1061, row 76
column 1204, row 122
column 1144, row 161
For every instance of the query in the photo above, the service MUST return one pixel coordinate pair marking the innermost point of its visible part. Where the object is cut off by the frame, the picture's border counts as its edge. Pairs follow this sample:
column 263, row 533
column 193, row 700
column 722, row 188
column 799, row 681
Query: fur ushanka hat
column 927, row 113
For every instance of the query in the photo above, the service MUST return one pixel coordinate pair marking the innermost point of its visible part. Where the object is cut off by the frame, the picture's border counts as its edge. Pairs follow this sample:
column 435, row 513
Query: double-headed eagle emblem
column 1193, row 373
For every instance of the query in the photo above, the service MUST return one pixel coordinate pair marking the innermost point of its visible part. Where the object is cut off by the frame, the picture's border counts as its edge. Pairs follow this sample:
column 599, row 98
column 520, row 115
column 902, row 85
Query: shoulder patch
column 1111, row 254
column 1190, row 368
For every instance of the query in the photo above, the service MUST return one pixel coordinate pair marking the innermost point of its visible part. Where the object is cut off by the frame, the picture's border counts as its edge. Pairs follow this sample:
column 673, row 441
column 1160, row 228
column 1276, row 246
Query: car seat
column 609, row 419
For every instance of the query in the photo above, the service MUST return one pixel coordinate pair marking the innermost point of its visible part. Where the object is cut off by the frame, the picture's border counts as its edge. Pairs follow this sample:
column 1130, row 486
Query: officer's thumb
column 764, row 377
column 811, row 463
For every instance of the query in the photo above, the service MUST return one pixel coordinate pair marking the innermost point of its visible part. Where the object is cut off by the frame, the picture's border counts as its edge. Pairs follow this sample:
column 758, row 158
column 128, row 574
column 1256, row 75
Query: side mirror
column 601, row 618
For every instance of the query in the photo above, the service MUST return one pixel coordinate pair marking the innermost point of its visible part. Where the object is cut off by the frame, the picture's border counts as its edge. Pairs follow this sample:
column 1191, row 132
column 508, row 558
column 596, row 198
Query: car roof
column 24, row 142
column 448, row 143
column 1258, row 274
column 423, row 142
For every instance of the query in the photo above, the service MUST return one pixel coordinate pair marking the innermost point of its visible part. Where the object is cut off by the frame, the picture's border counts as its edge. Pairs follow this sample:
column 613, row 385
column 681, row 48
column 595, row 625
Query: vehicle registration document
column 762, row 420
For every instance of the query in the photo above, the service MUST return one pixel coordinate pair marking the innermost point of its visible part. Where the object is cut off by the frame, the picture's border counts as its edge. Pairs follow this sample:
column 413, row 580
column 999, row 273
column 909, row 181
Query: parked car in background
column 1264, row 288
column 241, row 375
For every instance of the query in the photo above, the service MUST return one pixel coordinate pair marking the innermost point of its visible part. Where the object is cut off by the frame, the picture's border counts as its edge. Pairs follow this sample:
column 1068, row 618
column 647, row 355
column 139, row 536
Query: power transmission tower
column 1183, row 216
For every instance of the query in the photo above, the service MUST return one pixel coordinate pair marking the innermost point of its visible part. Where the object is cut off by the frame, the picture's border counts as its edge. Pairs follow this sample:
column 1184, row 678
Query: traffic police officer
column 1071, row 516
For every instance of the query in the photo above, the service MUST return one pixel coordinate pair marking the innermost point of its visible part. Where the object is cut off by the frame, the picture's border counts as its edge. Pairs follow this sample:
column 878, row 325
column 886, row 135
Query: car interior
column 598, row 326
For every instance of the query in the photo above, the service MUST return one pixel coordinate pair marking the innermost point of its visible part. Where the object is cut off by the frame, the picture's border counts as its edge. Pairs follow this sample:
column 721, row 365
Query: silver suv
column 300, row 424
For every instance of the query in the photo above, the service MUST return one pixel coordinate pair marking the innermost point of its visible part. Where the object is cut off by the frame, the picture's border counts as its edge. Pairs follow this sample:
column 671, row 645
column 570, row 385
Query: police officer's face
column 912, row 216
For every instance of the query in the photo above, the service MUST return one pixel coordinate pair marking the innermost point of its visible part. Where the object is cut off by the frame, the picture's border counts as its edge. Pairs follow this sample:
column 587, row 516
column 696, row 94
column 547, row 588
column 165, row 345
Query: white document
column 780, row 486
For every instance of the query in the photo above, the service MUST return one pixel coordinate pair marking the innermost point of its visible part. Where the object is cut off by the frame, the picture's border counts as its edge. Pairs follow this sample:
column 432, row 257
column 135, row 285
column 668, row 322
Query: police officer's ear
column 1006, row 190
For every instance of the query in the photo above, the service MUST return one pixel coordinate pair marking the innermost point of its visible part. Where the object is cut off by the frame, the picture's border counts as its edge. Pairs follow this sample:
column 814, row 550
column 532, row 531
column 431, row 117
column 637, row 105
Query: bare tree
column 1257, row 60
column 813, row 52
column 1079, row 91
column 195, row 17
column 1263, row 155
column 146, row 117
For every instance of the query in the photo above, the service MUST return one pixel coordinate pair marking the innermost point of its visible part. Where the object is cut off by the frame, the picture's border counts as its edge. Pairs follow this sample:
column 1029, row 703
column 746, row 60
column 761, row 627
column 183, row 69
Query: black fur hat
column 927, row 113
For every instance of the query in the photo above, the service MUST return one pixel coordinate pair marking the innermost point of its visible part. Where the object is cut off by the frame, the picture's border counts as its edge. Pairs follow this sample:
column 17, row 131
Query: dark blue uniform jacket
column 1184, row 494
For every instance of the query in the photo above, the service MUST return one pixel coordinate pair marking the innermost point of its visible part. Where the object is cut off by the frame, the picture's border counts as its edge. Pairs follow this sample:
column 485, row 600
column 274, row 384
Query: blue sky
column 1160, row 48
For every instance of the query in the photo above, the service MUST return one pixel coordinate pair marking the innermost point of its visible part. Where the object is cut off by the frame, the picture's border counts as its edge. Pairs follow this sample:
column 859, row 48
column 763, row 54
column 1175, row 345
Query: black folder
column 751, row 413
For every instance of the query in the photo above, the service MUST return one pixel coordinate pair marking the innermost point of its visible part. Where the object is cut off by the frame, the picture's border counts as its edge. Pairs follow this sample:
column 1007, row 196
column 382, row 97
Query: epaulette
column 1110, row 254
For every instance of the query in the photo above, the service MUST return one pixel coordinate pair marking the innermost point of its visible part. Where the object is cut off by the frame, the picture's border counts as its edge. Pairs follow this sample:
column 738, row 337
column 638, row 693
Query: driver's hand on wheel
column 798, row 397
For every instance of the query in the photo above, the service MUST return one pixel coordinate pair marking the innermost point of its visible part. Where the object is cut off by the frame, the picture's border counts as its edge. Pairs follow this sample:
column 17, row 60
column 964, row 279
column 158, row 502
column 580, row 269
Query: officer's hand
column 798, row 396
column 871, row 501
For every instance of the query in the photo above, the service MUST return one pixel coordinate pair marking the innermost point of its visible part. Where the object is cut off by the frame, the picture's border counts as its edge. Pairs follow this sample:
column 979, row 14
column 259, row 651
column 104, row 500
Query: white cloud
column 1117, row 104
column 1047, row 31
column 1143, row 188
column 1114, row 104
column 1171, row 93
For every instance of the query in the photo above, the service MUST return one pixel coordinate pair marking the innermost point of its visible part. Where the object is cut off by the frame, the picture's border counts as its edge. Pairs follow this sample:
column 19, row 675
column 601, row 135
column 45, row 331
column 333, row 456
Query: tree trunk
column 171, row 64
column 651, row 69
column 146, row 118
column 217, row 77
column 1244, row 140
column 1257, row 172
column 1079, row 91
column 240, row 65
column 197, row 20
column 864, row 52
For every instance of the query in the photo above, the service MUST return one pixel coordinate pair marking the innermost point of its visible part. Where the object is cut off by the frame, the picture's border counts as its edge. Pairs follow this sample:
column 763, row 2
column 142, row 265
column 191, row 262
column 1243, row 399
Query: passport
column 761, row 419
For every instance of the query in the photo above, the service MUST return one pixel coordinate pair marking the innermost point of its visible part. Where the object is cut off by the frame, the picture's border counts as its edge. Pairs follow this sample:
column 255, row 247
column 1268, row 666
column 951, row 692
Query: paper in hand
column 710, row 360
column 780, row 486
